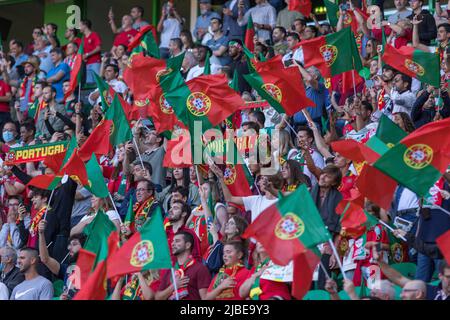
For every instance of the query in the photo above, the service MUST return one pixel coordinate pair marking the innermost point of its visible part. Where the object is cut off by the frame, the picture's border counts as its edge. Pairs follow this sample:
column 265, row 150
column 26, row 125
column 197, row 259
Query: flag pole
column 324, row 270
column 391, row 229
column 48, row 246
column 174, row 280
column 354, row 82
column 65, row 258
column 337, row 258
column 48, row 204
column 289, row 125
column 138, row 152
column 112, row 200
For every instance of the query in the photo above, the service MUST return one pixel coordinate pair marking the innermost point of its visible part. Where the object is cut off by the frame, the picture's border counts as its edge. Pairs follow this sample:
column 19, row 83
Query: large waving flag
column 145, row 40
column 332, row 54
column 286, row 229
column 121, row 130
column 420, row 158
column 415, row 63
column 282, row 87
column 96, row 182
column 145, row 250
column 98, row 142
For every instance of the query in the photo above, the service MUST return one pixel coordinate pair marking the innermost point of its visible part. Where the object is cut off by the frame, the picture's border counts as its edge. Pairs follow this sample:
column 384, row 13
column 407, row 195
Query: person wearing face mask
column 64, row 269
column 10, row 274
column 9, row 136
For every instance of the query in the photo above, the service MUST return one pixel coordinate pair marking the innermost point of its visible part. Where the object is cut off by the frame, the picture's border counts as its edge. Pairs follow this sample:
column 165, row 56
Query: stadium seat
column 317, row 295
column 407, row 269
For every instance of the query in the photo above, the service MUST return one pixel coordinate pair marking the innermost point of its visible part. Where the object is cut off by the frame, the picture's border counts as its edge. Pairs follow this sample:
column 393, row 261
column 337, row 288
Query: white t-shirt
column 408, row 200
column 171, row 29
column 257, row 204
column 112, row 215
column 118, row 86
column 194, row 72
column 4, row 292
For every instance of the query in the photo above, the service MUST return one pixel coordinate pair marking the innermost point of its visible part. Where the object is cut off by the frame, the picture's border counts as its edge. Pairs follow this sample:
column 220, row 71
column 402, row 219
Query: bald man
column 414, row 290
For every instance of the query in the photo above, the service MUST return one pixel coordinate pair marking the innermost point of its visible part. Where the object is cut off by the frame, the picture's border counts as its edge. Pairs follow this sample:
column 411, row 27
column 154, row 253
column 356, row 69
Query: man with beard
column 35, row 287
column 27, row 86
column 238, row 64
column 192, row 277
column 48, row 121
column 197, row 70
column 66, row 268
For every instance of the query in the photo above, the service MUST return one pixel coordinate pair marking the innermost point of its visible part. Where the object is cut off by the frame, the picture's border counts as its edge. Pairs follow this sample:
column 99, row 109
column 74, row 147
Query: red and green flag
column 105, row 90
column 148, row 95
column 129, row 218
column 349, row 19
column 302, row 6
column 376, row 186
column 97, row 142
column 207, row 69
column 145, row 250
column 354, row 150
column 250, row 34
column 387, row 136
column 420, row 158
column 282, row 87
column 178, row 152
column 355, row 221
column 286, row 229
column 443, row 243
column 207, row 98
column 332, row 54
column 121, row 130
column 95, row 286
column 305, row 264
column 76, row 73
column 145, row 41
column 96, row 182
column 415, row 63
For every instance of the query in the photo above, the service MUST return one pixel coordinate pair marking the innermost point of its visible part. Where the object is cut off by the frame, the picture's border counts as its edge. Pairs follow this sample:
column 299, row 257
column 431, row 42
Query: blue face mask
column 8, row 136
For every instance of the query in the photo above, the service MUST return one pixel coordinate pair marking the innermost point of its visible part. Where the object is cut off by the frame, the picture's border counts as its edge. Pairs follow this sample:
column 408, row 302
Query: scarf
column 23, row 87
column 256, row 291
column 181, row 271
column 381, row 103
column 132, row 290
column 35, row 221
column 224, row 273
column 142, row 211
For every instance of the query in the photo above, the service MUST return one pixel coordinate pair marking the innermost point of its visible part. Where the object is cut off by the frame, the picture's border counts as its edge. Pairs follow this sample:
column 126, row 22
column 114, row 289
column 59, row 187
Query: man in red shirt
column 92, row 48
column 126, row 35
column 5, row 95
column 192, row 277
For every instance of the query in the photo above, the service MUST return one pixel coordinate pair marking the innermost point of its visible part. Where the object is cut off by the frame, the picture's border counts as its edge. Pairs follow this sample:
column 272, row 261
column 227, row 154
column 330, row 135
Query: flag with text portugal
column 332, row 54
column 416, row 63
column 282, row 87
column 145, row 250
column 419, row 159
column 208, row 99
column 286, row 229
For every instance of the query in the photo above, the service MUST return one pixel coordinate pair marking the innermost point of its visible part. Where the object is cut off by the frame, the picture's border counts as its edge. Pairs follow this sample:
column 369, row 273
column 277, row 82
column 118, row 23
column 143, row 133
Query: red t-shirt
column 232, row 293
column 199, row 278
column 77, row 41
column 399, row 41
column 90, row 43
column 4, row 89
column 271, row 289
column 124, row 38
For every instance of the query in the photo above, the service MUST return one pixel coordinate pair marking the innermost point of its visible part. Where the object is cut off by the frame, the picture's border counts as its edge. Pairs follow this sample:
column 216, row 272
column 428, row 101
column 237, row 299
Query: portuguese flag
column 95, row 287
column 96, row 248
column 97, row 142
column 349, row 19
column 146, row 42
column 354, row 150
column 148, row 95
column 355, row 221
column 282, row 87
column 236, row 175
column 96, row 182
column 420, row 158
column 416, row 63
column 249, row 34
column 145, row 250
column 207, row 98
column 76, row 73
column 178, row 152
column 332, row 54
column 304, row 265
column 207, row 69
column 388, row 135
column 105, row 90
column 286, row 229
column 443, row 242
column 376, row 186
column 121, row 130
column 302, row 6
